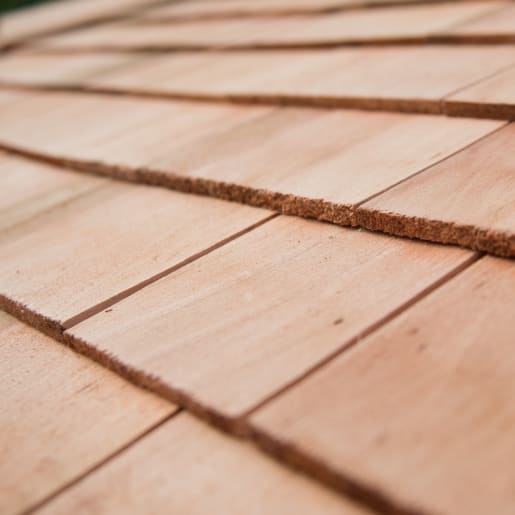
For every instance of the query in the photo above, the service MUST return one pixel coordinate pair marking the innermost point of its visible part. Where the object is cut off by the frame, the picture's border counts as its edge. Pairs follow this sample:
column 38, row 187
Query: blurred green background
column 8, row 5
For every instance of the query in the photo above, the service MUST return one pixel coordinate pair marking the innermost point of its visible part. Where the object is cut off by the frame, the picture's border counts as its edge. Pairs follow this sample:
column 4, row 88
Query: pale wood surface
column 389, row 23
column 26, row 68
column 474, row 187
column 29, row 188
column 236, row 8
column 227, row 8
column 284, row 151
column 186, row 467
column 391, row 78
column 80, row 254
column 497, row 22
column 25, row 23
column 422, row 411
column 493, row 96
column 61, row 414
column 416, row 74
column 258, row 147
column 242, row 322
column 418, row 415
column 123, row 131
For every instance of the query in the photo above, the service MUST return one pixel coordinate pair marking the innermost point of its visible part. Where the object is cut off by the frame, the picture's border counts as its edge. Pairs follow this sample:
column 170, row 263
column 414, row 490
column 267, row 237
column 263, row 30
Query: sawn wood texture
column 493, row 97
column 23, row 24
column 473, row 188
column 414, row 79
column 184, row 467
column 29, row 188
column 263, row 156
column 265, row 309
column 206, row 9
column 30, row 68
column 79, row 257
column 496, row 25
column 61, row 415
column 394, row 25
column 410, row 79
column 422, row 411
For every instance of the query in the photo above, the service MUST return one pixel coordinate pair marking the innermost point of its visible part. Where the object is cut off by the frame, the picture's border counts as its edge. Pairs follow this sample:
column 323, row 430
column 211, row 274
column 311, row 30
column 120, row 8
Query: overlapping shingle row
column 378, row 366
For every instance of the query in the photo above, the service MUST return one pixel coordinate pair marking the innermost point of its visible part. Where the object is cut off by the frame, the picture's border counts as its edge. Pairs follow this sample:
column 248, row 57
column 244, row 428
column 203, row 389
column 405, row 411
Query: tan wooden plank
column 89, row 127
column 281, row 150
column 8, row 97
column 186, row 467
column 491, row 98
column 499, row 23
column 475, row 187
column 413, row 79
column 73, row 259
column 14, row 99
column 30, row 188
column 395, row 78
column 413, row 23
column 358, row 155
column 422, row 411
column 228, row 330
column 258, row 155
column 61, row 415
column 26, row 23
column 29, row 68
column 183, row 11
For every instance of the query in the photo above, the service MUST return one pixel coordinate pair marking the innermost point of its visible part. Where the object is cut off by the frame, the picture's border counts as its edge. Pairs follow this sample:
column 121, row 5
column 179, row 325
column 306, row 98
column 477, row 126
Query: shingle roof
column 167, row 172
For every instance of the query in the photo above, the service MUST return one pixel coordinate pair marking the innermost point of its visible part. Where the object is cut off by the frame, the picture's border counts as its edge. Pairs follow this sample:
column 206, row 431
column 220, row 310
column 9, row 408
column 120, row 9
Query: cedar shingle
column 61, row 415
column 421, row 411
column 225, row 332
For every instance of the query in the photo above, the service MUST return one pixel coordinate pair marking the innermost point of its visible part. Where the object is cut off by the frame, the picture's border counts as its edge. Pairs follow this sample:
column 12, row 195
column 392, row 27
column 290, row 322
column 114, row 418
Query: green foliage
column 9, row 5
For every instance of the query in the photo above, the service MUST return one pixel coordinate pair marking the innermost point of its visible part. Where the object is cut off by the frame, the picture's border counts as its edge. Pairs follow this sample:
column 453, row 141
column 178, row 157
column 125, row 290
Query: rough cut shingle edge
column 497, row 243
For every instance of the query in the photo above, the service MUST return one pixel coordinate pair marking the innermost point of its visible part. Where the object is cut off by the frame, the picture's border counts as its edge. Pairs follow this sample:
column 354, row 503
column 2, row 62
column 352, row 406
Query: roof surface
column 257, row 257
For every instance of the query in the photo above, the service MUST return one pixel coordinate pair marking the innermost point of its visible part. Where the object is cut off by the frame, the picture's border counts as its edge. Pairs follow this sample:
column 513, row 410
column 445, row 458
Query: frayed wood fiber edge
column 497, row 243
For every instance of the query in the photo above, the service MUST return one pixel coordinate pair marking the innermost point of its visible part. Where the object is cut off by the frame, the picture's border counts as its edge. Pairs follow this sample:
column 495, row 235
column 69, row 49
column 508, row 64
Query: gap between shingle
column 69, row 484
column 239, row 427
column 97, row 308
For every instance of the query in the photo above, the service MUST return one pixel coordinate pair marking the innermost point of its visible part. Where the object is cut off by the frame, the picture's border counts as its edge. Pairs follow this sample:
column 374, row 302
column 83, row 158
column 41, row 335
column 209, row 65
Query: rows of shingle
column 63, row 416
column 278, row 304
column 414, row 24
column 419, row 410
column 23, row 25
column 226, row 9
column 440, row 179
column 473, row 81
column 251, row 320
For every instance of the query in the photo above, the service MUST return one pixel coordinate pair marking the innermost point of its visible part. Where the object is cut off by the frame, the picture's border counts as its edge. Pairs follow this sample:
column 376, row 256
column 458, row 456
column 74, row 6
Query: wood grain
column 26, row 23
column 30, row 188
column 99, row 128
column 61, row 415
column 498, row 24
column 359, row 155
column 237, row 152
column 228, row 330
column 265, row 157
column 74, row 259
column 473, row 188
column 403, row 78
column 490, row 98
column 382, row 25
column 186, row 467
column 407, row 79
column 205, row 9
column 422, row 411
column 29, row 68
